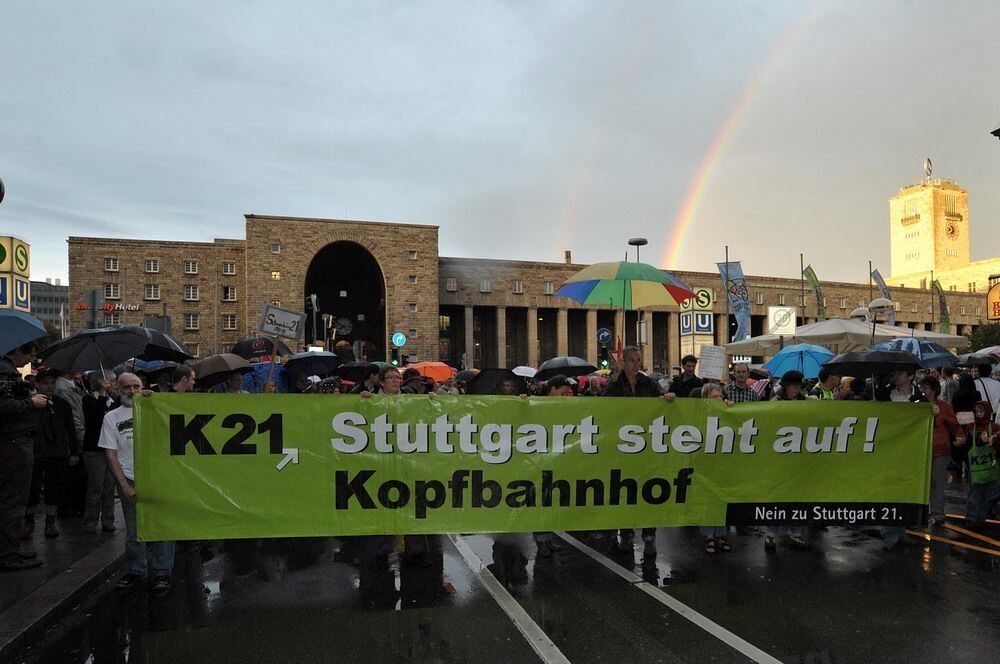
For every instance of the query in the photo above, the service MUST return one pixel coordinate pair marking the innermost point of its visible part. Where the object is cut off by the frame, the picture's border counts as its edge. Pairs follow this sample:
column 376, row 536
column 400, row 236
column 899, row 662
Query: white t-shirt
column 116, row 434
column 989, row 390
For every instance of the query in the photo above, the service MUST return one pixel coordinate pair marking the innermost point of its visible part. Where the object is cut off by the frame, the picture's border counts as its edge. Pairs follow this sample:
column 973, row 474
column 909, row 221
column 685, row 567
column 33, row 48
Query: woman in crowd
column 715, row 536
column 100, row 500
column 983, row 442
column 946, row 429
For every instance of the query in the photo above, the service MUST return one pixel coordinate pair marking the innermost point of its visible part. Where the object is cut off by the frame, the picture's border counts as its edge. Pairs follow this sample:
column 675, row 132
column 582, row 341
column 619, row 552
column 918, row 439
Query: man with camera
column 18, row 421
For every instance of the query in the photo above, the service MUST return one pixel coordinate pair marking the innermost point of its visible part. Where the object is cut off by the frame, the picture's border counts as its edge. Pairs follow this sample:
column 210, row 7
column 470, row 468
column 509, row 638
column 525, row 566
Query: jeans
column 713, row 531
column 100, row 489
column 17, row 455
column 982, row 499
column 135, row 551
column 939, row 477
column 793, row 531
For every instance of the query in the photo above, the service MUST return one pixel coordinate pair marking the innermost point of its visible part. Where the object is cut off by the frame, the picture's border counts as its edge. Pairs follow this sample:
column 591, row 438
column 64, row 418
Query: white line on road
column 536, row 637
column 716, row 630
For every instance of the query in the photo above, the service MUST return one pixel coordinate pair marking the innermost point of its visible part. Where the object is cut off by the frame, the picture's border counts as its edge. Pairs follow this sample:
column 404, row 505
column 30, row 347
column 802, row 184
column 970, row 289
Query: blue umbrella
column 253, row 380
column 806, row 358
column 929, row 354
column 18, row 328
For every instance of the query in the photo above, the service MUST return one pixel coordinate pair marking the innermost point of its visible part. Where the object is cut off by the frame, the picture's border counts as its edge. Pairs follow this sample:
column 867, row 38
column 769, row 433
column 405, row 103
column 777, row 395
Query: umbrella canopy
column 18, row 328
column 525, row 372
column 871, row 363
column 216, row 368
column 929, row 354
column 624, row 284
column 488, row 381
column 107, row 346
column 978, row 358
column 253, row 380
column 355, row 371
column 439, row 371
column 806, row 358
column 465, row 375
column 257, row 348
column 313, row 363
column 568, row 366
column 841, row 334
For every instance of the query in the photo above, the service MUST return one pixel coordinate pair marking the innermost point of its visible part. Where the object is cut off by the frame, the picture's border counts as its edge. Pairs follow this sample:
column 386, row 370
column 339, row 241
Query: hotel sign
column 993, row 303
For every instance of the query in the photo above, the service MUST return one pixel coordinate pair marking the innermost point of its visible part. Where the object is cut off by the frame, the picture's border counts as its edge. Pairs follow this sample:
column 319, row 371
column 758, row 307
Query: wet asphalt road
column 303, row 601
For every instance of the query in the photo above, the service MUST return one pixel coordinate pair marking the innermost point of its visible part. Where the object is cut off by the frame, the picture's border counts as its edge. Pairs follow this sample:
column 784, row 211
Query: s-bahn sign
column 15, row 273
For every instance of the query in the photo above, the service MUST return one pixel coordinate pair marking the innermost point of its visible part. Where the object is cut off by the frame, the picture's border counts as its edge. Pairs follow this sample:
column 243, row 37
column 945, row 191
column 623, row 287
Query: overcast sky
column 520, row 128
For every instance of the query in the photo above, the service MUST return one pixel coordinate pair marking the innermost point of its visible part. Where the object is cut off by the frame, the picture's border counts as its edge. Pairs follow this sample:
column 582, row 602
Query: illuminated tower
column 929, row 228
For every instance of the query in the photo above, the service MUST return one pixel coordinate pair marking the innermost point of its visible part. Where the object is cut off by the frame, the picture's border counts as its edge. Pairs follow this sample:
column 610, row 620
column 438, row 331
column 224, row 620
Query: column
column 619, row 329
column 470, row 346
column 673, row 340
column 502, row 337
column 647, row 347
column 562, row 332
column 721, row 329
column 533, row 337
column 592, row 336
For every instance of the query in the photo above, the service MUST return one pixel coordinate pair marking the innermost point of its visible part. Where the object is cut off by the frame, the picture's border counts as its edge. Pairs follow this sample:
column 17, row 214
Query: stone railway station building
column 379, row 278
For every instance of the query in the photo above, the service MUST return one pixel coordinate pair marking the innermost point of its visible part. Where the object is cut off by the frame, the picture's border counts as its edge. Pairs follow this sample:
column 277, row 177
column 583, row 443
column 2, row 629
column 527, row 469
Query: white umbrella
column 525, row 372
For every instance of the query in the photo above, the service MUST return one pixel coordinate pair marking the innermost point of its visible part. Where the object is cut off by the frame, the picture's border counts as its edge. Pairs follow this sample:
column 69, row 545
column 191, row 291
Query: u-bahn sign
column 15, row 273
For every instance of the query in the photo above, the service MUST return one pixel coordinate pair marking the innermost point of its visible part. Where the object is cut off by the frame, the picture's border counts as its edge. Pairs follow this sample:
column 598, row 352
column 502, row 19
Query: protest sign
column 232, row 466
column 279, row 322
column 712, row 362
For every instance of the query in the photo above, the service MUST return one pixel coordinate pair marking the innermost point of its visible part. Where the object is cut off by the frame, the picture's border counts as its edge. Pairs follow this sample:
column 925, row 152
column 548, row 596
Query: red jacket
column 946, row 427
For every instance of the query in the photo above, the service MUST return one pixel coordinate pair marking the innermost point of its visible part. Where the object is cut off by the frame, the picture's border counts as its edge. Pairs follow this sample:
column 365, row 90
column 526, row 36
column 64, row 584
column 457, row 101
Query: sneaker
column 769, row 544
column 129, row 580
column 161, row 584
column 17, row 564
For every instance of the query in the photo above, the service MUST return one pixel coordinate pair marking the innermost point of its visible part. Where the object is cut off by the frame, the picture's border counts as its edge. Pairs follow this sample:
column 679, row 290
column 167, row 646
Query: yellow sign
column 993, row 303
column 15, row 256
column 702, row 301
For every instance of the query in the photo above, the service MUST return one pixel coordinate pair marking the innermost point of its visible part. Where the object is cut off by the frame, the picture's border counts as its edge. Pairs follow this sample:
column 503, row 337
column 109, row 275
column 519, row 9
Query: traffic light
column 604, row 360
column 394, row 361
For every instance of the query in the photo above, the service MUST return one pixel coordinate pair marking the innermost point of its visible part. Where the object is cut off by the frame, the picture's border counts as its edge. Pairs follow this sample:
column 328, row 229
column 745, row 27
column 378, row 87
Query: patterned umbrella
column 929, row 354
column 624, row 284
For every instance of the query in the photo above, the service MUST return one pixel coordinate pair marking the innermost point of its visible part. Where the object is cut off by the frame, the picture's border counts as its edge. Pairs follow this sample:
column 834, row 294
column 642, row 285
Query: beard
column 127, row 400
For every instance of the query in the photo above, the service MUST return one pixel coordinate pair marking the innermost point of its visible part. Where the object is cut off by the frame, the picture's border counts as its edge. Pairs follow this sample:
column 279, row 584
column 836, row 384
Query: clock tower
column 929, row 228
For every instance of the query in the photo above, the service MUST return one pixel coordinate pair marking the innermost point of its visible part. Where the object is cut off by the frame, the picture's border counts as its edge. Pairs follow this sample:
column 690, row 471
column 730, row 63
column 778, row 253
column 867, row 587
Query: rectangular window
column 914, row 307
column 228, row 321
column 758, row 297
column 275, row 248
column 979, row 311
column 152, row 265
column 110, row 264
column 547, row 288
column 413, row 307
column 276, row 303
column 444, row 323
column 413, row 255
column 412, row 334
column 191, row 292
column 229, row 268
column 191, row 321
column 229, row 293
column 781, row 299
column 112, row 318
column 112, row 291
column 152, row 292
column 485, row 286
column 895, row 305
column 413, row 279
column 843, row 303
column 190, row 267
column 517, row 287
column 451, row 284
column 961, row 310
column 275, row 275
column 194, row 348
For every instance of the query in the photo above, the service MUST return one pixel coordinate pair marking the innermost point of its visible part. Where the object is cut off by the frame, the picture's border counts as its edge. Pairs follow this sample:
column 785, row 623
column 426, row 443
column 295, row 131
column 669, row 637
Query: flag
column 739, row 296
column 945, row 324
column 810, row 274
column 884, row 290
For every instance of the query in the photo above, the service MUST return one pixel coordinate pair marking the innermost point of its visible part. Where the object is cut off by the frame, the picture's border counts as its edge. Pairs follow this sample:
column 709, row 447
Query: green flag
column 945, row 319
column 813, row 280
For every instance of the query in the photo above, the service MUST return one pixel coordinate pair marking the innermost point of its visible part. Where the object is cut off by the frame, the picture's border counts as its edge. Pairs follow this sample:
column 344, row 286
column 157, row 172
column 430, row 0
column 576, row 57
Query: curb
column 56, row 598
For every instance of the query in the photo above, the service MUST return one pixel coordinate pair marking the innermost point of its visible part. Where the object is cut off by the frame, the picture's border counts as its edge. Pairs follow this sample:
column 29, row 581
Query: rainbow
column 692, row 200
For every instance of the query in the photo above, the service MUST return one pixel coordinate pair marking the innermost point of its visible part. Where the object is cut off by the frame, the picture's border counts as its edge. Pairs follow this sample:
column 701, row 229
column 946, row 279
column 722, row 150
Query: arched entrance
column 348, row 284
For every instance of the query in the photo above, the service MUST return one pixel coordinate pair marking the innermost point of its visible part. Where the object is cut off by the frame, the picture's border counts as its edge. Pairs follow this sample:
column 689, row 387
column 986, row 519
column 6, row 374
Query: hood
column 989, row 412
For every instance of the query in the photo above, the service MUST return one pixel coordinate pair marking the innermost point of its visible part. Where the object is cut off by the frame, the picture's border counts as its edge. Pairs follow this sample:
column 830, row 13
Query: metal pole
column 871, row 295
column 725, row 278
column 932, row 299
column 802, row 287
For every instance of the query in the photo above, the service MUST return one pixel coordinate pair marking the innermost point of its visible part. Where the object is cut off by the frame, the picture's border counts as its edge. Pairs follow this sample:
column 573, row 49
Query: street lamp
column 637, row 242
column 879, row 305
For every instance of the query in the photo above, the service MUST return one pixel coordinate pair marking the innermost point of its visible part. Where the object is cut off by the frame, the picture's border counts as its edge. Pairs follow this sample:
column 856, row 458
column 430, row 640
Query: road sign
column 604, row 336
column 398, row 339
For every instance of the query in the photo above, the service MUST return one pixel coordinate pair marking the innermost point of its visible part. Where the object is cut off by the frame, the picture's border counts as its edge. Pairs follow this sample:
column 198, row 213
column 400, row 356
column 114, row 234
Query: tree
column 985, row 336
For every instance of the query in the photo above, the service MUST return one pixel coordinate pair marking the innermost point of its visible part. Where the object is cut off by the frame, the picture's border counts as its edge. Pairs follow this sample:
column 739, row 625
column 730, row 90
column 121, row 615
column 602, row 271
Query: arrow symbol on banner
column 291, row 455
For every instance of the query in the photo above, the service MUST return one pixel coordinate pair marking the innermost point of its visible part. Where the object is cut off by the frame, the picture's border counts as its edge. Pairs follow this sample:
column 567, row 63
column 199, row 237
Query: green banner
column 810, row 274
column 231, row 466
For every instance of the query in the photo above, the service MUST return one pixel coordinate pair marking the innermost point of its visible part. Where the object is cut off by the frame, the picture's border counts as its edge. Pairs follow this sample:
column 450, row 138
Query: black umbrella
column 355, row 371
column 109, row 346
column 861, row 364
column 487, row 381
column 566, row 366
column 254, row 348
column 214, row 369
column 975, row 359
column 465, row 375
column 313, row 363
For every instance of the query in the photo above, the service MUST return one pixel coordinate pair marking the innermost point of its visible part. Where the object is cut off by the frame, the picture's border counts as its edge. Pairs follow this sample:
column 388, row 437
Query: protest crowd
column 66, row 440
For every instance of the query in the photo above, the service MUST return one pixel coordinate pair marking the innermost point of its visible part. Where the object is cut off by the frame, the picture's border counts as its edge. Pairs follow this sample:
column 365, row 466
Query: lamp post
column 638, row 242
column 879, row 305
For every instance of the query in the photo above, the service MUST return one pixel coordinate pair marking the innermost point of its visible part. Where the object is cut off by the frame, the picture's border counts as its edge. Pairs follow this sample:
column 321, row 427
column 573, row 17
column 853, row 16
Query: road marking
column 713, row 628
column 964, row 531
column 929, row 537
column 536, row 637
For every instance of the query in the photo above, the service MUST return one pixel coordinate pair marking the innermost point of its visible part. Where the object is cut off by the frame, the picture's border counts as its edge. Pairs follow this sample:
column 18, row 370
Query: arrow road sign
column 398, row 339
column 604, row 336
column 291, row 455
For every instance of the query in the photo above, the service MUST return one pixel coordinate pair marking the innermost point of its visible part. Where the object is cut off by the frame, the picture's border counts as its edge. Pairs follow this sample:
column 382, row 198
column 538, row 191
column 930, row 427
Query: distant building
column 930, row 234
column 50, row 303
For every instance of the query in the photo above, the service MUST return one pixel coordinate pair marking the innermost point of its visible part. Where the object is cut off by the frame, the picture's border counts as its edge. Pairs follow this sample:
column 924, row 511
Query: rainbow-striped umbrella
column 626, row 285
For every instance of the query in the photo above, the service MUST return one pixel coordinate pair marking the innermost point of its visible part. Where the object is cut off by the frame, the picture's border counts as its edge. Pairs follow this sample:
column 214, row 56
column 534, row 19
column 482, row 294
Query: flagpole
column 802, row 287
column 932, row 299
column 871, row 292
